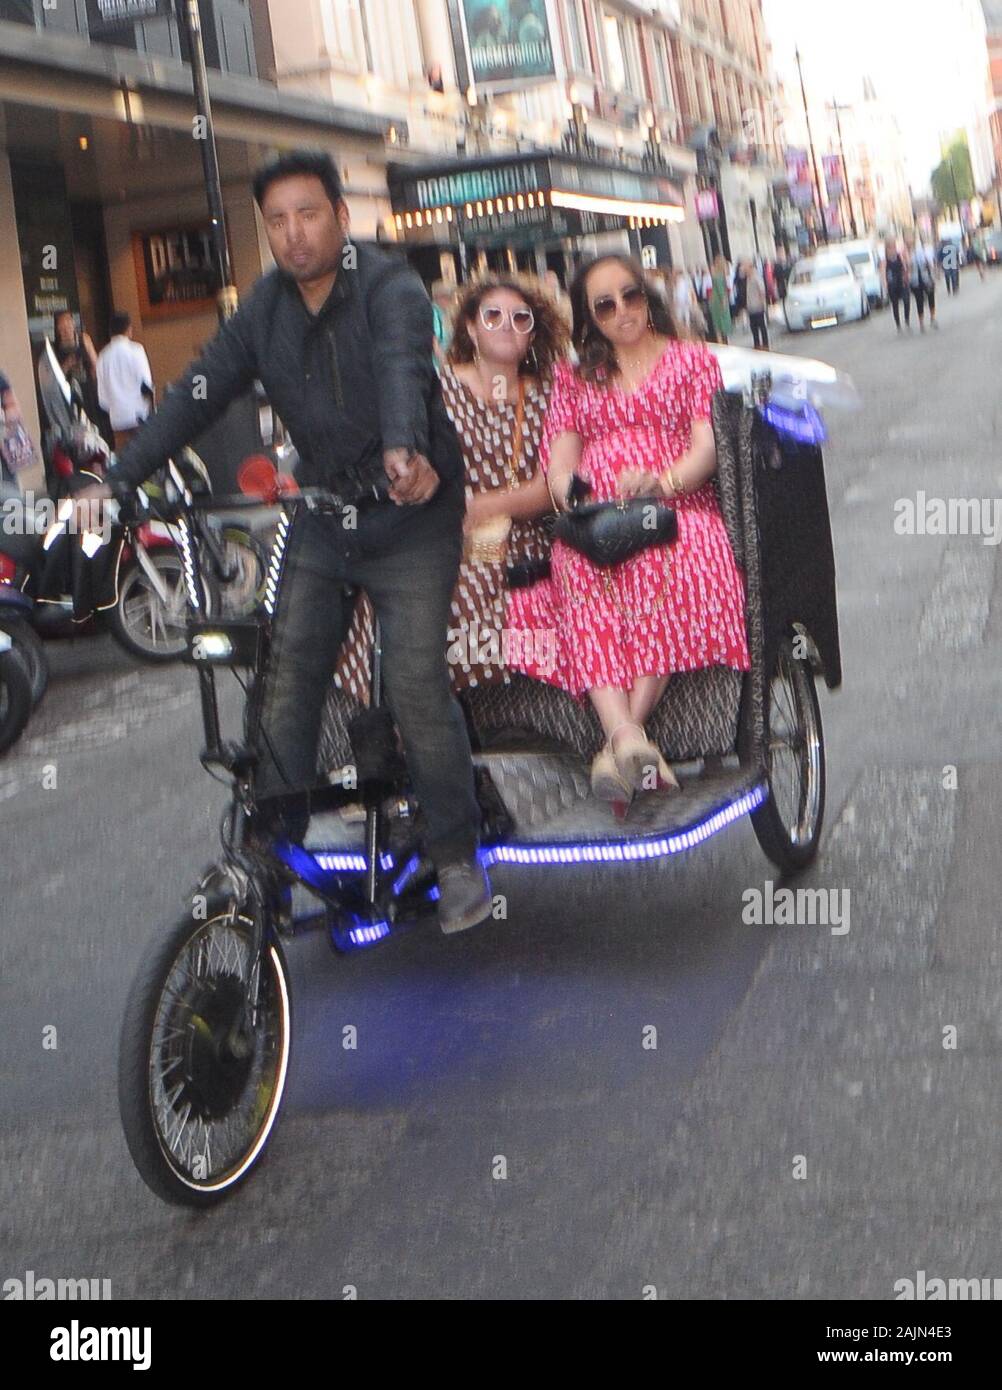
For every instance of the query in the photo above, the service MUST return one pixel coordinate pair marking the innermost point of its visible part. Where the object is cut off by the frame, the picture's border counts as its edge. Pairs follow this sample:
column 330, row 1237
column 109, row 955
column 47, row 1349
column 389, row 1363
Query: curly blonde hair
column 550, row 337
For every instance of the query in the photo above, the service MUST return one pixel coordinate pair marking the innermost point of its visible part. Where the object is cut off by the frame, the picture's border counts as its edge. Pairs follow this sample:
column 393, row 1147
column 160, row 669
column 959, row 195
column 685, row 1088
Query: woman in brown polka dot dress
column 496, row 384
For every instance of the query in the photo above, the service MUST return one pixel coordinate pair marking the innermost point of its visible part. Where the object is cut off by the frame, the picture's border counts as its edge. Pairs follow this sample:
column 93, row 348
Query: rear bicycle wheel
column 199, row 1093
column 788, row 824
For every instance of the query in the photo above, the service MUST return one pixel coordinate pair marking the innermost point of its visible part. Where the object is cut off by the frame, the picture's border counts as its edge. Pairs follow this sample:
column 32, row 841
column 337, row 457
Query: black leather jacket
column 348, row 382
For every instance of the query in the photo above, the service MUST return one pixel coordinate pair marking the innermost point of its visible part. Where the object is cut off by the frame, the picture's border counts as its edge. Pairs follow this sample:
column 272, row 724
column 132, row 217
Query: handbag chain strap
column 515, row 459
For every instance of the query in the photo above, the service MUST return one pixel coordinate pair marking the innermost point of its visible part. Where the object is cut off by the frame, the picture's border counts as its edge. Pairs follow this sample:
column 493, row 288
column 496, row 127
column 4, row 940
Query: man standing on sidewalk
column 341, row 338
column 124, row 381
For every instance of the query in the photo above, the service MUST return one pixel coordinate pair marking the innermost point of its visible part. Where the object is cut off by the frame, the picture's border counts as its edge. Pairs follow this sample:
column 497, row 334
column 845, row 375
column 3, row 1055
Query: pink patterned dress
column 671, row 608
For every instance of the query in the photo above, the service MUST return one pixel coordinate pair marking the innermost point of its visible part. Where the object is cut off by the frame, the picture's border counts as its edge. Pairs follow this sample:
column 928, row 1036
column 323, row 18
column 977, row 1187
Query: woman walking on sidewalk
column 921, row 280
column 896, row 287
column 720, row 301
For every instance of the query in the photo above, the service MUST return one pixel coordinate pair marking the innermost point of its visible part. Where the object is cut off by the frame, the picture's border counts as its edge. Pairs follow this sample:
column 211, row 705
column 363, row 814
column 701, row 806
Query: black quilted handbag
column 607, row 533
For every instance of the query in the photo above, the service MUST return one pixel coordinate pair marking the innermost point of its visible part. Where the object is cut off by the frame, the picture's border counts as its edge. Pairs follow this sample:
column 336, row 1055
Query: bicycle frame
column 361, row 892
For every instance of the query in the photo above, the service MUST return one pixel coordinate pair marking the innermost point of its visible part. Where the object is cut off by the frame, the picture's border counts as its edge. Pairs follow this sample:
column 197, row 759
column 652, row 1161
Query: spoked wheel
column 199, row 1087
column 788, row 824
column 145, row 624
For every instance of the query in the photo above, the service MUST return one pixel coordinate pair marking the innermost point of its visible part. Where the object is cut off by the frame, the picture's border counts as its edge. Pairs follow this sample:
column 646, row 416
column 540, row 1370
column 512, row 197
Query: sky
column 910, row 48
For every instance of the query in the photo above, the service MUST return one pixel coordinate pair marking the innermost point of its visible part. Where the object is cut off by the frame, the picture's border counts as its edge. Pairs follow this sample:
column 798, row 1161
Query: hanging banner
column 831, row 167
column 798, row 169
column 501, row 44
column 798, row 178
column 707, row 206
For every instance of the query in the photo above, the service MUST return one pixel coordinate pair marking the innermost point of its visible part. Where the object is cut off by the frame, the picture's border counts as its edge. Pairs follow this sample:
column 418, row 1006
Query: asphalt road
column 801, row 1129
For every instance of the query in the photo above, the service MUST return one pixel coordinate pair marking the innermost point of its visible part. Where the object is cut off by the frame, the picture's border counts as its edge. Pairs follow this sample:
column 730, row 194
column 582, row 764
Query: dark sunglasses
column 605, row 307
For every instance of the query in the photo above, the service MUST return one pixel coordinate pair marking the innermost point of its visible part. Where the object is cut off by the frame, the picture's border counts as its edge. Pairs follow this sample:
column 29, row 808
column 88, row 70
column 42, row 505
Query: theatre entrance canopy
column 521, row 200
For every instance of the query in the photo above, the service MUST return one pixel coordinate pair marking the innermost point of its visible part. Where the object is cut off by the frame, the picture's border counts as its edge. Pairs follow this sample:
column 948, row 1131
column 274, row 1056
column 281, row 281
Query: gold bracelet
column 676, row 487
column 549, row 489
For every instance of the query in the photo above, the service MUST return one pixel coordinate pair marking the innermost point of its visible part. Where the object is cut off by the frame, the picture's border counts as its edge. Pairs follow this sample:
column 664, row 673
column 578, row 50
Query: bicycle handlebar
column 307, row 496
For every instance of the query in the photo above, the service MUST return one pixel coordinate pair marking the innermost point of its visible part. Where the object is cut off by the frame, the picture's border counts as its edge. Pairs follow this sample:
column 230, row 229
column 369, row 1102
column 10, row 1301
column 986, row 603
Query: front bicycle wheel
column 199, row 1086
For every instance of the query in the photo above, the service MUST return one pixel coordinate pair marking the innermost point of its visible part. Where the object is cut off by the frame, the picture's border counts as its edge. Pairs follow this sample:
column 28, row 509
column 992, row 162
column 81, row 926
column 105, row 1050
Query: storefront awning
column 79, row 76
column 515, row 198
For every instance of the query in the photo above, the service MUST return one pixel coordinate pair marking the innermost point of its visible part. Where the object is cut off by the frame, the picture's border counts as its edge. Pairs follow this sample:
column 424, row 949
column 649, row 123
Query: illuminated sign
column 471, row 184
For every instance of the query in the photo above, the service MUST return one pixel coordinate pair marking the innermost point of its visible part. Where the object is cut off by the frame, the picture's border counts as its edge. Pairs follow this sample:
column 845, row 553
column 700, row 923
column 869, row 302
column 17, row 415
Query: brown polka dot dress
column 476, row 645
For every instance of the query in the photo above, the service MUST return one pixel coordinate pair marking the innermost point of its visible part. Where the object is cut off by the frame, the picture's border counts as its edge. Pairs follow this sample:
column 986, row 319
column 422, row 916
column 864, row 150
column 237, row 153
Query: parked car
column 824, row 291
column 865, row 261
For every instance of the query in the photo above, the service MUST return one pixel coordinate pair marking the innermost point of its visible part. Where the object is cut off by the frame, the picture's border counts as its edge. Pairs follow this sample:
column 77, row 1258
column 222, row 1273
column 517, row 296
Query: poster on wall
column 501, row 44
column 175, row 270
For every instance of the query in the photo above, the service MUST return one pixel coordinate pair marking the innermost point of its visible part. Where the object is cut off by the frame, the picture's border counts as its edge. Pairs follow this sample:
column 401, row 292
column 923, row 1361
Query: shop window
column 17, row 12
column 68, row 17
column 346, row 33
column 662, row 73
column 227, row 35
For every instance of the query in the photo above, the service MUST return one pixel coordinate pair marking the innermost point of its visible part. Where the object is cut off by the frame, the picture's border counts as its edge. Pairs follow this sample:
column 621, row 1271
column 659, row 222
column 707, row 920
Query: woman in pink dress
column 633, row 419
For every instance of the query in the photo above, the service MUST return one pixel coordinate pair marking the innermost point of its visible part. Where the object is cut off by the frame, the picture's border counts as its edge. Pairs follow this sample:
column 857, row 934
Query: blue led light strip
column 627, row 851
column 369, row 934
column 630, row 850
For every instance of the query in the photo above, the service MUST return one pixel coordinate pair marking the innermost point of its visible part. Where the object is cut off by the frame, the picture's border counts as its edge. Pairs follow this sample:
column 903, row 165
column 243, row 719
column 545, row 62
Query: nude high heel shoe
column 636, row 756
column 607, row 782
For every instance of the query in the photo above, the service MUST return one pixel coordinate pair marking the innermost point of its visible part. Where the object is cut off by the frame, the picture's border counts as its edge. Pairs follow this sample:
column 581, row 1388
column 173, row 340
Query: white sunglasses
column 493, row 318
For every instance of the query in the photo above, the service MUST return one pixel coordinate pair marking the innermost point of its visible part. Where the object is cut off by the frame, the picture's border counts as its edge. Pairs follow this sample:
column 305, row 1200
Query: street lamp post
column 810, row 144
column 191, row 21
column 845, row 168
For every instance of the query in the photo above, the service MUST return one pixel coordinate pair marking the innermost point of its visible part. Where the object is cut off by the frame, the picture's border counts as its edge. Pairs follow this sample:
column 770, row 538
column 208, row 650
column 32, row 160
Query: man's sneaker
column 464, row 896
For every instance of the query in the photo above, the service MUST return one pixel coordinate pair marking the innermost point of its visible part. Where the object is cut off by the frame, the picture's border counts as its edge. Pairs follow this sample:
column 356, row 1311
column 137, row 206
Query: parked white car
column 824, row 291
column 865, row 260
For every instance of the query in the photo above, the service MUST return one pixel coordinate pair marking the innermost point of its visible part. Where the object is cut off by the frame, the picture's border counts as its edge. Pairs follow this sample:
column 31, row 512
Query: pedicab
column 207, row 1033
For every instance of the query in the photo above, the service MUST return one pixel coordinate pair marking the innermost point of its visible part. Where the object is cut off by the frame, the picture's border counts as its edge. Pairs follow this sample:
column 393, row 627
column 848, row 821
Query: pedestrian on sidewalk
column 703, row 283
column 124, row 381
column 756, row 303
column 894, row 273
column 949, row 259
column 684, row 302
column 720, row 301
column 781, row 274
column 739, row 290
column 769, row 276
column 921, row 280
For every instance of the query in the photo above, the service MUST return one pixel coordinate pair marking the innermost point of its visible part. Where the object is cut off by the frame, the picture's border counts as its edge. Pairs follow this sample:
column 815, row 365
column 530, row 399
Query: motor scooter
column 66, row 581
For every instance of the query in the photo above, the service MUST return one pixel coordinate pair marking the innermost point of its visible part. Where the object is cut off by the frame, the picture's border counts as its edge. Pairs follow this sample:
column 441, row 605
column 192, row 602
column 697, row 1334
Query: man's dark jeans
column 408, row 566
